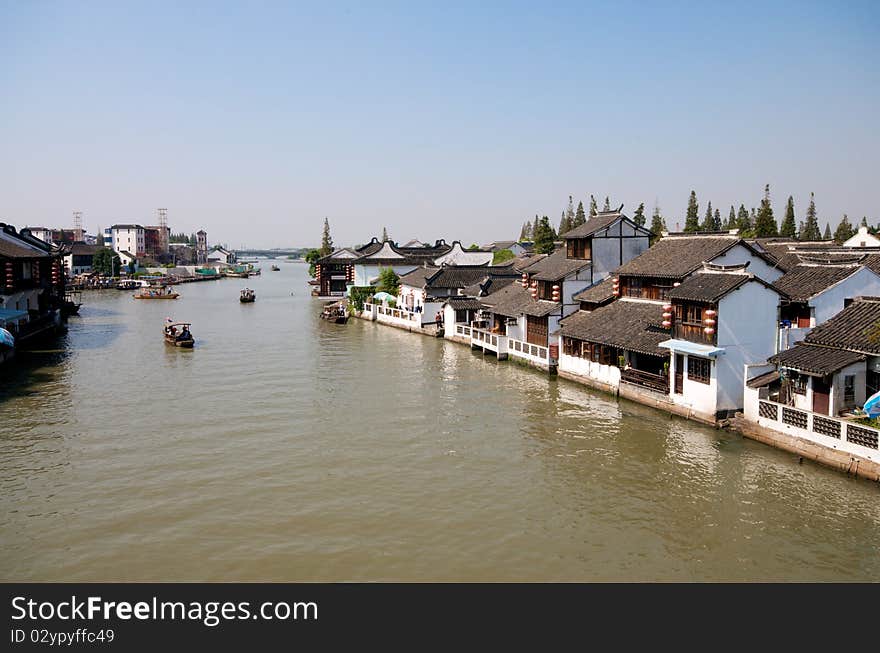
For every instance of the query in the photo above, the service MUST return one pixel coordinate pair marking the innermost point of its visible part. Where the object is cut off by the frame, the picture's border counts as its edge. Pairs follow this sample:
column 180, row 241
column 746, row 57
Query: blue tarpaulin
column 872, row 405
column 6, row 338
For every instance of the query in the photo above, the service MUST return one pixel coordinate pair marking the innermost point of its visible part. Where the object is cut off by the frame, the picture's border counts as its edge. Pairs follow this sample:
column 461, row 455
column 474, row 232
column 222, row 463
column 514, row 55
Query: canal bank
column 287, row 448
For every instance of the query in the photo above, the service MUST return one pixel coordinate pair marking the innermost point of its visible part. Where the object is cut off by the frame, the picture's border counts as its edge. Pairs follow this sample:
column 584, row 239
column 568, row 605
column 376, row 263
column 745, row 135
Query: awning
column 763, row 379
column 8, row 315
column 688, row 347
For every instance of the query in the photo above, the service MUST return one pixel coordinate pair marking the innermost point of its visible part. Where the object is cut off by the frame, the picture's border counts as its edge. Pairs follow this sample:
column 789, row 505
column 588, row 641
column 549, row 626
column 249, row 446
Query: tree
column 564, row 224
column 717, row 221
column 312, row 257
column 388, row 281
column 579, row 216
column 544, row 237
column 607, row 205
column 639, row 215
column 569, row 217
column 326, row 240
column 811, row 226
column 844, row 231
column 106, row 262
column 864, row 222
column 708, row 221
column 501, row 256
column 593, row 208
column 658, row 225
column 731, row 219
column 743, row 221
column 473, row 248
column 765, row 223
column 692, row 220
column 525, row 234
column 788, row 229
column 827, row 235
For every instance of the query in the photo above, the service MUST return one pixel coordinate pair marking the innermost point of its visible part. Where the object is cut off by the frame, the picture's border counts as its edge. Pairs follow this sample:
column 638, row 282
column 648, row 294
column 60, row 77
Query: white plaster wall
column 757, row 266
column 747, row 320
column 607, row 374
column 830, row 302
column 364, row 272
column 858, row 370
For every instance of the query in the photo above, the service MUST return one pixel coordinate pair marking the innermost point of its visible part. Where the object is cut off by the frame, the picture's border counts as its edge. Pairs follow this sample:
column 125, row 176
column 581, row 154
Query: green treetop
column 658, row 225
column 692, row 220
column 844, row 231
column 811, row 229
column 788, row 228
column 579, row 216
column 731, row 219
column 326, row 240
column 765, row 223
column 544, row 237
column 639, row 215
column 607, row 205
column 708, row 223
column 593, row 208
column 827, row 234
column 743, row 221
column 388, row 281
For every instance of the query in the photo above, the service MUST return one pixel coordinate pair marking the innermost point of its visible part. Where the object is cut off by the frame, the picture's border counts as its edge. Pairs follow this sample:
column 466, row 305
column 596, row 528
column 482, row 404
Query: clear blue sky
column 255, row 120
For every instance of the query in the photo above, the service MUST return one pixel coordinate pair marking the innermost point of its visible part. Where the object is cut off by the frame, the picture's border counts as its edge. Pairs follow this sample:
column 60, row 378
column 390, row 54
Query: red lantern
column 667, row 307
column 666, row 324
column 667, row 315
column 709, row 312
column 709, row 321
column 709, row 331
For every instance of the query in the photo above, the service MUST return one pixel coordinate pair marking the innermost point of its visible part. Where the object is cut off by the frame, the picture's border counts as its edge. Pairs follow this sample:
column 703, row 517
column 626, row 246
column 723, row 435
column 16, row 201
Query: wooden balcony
column 693, row 333
column 656, row 382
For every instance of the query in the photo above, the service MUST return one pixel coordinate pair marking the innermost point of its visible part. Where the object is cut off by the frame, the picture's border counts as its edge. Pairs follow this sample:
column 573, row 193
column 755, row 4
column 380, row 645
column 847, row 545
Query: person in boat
column 185, row 334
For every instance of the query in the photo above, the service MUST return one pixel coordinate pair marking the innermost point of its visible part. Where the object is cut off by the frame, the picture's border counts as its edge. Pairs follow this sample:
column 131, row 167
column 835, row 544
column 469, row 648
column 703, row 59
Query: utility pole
column 78, row 226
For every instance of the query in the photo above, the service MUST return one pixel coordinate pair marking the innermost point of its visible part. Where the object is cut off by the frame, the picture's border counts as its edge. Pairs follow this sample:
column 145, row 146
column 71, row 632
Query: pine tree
column 864, row 222
column 844, row 231
column 385, row 234
column 811, row 226
column 765, row 223
column 708, row 220
column 569, row 216
column 692, row 220
column 593, row 208
column 639, row 215
column 564, row 224
column 607, row 206
column 524, row 234
column 731, row 219
column 658, row 225
column 800, row 229
column 580, row 217
column 743, row 221
column 544, row 237
column 717, row 221
column 326, row 240
column 787, row 230
column 827, row 235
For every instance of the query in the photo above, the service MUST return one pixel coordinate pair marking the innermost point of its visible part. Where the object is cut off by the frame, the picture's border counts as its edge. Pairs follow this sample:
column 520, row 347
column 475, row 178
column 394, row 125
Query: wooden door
column 679, row 374
column 821, row 395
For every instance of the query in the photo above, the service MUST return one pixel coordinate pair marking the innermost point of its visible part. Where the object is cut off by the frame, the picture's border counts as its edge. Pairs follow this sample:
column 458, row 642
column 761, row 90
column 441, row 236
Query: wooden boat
column 275, row 268
column 152, row 292
column 178, row 334
column 71, row 303
column 247, row 296
column 335, row 312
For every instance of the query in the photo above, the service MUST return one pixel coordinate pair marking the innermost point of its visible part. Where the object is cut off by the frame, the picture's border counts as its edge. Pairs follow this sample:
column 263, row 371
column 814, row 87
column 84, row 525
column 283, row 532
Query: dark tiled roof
column 555, row 266
column 463, row 303
column 815, row 359
column 598, row 222
column 80, row 249
column 675, row 257
column 857, row 328
column 711, row 286
column 513, row 300
column 127, row 226
column 631, row 325
column 458, row 276
column 418, row 277
column 523, row 262
column 14, row 245
column 491, row 284
column 598, row 293
column 763, row 379
column 804, row 281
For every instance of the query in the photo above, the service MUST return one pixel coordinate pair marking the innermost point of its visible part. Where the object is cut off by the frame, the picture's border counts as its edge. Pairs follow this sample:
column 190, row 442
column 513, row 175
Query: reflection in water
column 287, row 448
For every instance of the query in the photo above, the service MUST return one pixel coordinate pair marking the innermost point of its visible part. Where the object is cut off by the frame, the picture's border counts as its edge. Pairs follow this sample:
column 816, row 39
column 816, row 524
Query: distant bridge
column 270, row 253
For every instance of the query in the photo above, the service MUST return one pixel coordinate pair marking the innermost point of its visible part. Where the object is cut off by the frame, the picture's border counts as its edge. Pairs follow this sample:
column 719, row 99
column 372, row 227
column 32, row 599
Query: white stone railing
column 398, row 314
column 828, row 431
column 496, row 342
column 463, row 330
column 520, row 349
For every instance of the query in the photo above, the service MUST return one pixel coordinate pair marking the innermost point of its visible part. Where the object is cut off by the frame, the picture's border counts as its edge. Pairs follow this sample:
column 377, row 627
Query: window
column 699, row 369
column 849, row 389
column 578, row 248
column 798, row 384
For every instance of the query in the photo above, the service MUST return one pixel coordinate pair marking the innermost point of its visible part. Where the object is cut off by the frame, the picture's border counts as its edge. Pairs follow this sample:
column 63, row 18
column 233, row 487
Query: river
column 286, row 448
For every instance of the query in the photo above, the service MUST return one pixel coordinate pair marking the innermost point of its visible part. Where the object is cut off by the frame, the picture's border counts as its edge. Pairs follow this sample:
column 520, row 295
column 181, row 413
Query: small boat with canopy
column 178, row 334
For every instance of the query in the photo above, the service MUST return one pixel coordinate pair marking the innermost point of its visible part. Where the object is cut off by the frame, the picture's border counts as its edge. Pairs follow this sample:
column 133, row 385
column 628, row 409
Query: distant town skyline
column 454, row 122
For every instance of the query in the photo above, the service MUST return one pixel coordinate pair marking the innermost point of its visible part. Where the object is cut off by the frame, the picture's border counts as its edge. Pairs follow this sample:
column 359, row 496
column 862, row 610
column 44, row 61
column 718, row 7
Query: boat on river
column 153, row 292
column 178, row 334
column 247, row 296
column 335, row 312
column 275, row 268
column 71, row 303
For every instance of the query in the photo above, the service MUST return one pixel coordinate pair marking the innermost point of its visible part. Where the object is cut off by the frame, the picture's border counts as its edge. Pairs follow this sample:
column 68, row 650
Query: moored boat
column 247, row 296
column 178, row 334
column 275, row 268
column 71, row 303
